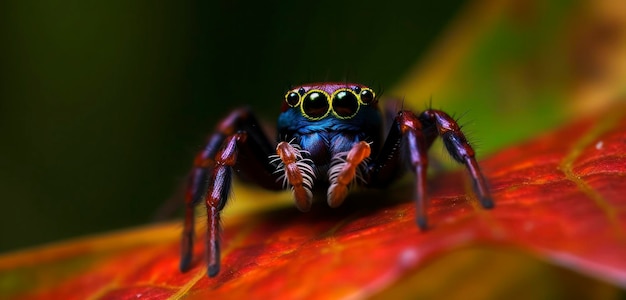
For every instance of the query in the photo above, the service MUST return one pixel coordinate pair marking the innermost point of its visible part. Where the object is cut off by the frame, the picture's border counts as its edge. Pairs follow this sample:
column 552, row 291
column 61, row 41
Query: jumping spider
column 330, row 135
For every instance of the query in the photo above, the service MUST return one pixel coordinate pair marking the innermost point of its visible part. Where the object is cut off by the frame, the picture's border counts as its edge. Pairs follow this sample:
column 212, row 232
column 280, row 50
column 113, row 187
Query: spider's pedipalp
column 344, row 170
column 298, row 173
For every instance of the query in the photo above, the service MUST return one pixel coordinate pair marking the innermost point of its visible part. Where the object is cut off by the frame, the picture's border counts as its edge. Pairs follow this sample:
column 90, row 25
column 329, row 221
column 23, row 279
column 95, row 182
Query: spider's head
column 329, row 106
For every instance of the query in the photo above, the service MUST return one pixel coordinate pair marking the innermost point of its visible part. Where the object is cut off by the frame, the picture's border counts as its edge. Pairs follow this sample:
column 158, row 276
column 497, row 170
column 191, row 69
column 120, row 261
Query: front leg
column 237, row 142
column 217, row 195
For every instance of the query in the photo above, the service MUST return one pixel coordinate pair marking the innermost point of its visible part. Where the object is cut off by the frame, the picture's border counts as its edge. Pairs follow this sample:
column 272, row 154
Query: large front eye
column 345, row 104
column 315, row 105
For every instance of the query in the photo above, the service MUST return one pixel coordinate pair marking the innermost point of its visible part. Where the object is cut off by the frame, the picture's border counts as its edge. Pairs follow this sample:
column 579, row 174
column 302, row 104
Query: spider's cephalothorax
column 321, row 124
column 330, row 136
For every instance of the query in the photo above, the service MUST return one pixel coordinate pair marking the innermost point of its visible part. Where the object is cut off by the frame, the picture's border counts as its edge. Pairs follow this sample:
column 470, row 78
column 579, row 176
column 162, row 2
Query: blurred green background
column 104, row 103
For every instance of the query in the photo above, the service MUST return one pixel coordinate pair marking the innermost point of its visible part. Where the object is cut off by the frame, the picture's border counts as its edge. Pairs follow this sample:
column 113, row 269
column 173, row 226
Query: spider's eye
column 367, row 96
column 292, row 98
column 345, row 104
column 356, row 89
column 315, row 105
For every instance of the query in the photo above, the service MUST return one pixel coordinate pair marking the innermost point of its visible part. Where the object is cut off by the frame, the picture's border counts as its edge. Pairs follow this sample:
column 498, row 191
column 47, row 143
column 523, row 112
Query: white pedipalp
column 338, row 164
column 305, row 165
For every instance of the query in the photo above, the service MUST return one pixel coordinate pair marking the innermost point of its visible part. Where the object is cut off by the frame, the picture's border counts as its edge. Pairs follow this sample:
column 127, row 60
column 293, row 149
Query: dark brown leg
column 210, row 180
column 459, row 148
column 216, row 197
column 416, row 148
column 407, row 144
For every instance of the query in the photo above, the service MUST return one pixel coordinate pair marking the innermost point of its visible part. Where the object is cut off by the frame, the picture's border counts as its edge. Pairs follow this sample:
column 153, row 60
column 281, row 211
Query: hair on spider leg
column 172, row 206
column 458, row 119
column 468, row 131
column 442, row 161
column 429, row 105
column 402, row 102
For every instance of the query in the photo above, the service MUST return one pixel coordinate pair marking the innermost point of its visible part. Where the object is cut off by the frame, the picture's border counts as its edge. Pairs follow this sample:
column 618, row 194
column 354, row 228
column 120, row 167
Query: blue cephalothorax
column 330, row 137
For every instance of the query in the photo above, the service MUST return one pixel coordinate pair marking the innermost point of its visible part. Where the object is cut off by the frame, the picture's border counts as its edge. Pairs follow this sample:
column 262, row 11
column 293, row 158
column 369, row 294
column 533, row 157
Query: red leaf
column 559, row 197
column 562, row 196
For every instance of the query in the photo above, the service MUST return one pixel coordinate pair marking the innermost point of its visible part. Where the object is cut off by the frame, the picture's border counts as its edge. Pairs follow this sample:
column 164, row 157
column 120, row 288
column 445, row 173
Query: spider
column 330, row 136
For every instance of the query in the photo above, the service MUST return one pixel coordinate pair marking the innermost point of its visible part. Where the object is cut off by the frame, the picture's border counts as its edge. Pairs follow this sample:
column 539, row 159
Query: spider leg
column 197, row 184
column 197, row 179
column 415, row 150
column 458, row 147
column 218, row 190
column 238, row 142
column 405, row 147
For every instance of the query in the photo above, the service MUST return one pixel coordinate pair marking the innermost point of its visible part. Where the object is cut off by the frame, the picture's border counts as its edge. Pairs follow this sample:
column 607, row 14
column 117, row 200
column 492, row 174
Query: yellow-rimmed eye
column 345, row 103
column 292, row 98
column 315, row 104
column 367, row 96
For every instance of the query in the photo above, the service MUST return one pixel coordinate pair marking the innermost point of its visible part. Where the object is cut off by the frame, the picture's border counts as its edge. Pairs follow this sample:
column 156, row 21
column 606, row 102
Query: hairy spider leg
column 459, row 148
column 218, row 190
column 405, row 147
column 238, row 142
column 197, row 184
column 407, row 144
column 416, row 147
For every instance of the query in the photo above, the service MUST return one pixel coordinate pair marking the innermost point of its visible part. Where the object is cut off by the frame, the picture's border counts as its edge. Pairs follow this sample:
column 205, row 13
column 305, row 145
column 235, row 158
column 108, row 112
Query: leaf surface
column 558, row 198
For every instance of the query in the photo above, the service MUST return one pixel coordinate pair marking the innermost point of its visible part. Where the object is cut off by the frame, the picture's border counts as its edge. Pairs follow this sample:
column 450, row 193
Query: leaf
column 558, row 198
